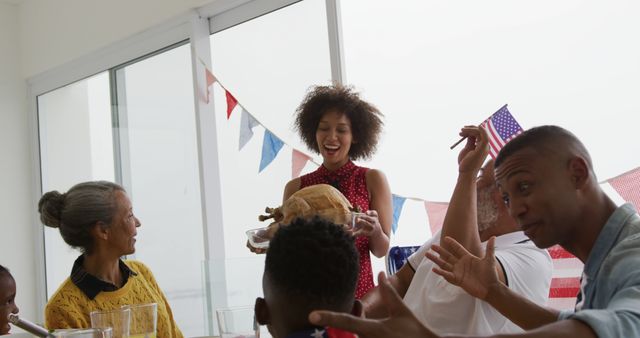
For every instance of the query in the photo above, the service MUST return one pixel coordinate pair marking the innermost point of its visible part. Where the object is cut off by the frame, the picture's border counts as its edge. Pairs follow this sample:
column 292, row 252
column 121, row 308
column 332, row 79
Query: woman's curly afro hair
column 366, row 120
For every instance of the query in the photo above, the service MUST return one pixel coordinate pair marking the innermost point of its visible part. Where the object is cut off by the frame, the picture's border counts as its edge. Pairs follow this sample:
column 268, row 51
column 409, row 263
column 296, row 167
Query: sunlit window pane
column 160, row 169
column 434, row 66
column 74, row 125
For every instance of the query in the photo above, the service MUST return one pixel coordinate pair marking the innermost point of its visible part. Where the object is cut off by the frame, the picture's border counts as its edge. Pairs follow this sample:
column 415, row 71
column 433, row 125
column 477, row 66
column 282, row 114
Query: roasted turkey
column 317, row 200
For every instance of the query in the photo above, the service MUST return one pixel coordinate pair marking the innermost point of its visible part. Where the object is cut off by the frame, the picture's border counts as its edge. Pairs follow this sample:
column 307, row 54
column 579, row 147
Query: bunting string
column 627, row 184
column 272, row 144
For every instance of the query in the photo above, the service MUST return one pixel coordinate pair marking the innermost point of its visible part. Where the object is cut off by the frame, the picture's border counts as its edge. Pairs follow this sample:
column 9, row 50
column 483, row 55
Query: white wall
column 55, row 32
column 36, row 36
column 16, row 229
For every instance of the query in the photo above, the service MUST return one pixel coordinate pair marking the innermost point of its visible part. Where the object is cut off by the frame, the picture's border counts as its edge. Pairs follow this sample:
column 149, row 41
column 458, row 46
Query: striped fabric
column 501, row 128
column 565, row 282
column 628, row 186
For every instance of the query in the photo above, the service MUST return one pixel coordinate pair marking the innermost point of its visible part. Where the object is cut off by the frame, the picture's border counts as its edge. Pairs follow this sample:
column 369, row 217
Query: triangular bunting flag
column 231, row 103
column 298, row 161
column 398, row 203
column 210, row 77
column 627, row 186
column 271, row 145
column 436, row 212
column 210, row 80
column 247, row 122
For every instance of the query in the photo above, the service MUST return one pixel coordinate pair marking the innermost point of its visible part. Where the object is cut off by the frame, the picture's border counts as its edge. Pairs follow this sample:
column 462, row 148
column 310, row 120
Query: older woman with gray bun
column 97, row 218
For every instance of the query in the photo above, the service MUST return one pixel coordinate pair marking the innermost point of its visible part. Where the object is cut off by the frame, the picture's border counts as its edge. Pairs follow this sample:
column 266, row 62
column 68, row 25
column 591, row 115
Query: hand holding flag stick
column 459, row 141
column 464, row 137
column 501, row 128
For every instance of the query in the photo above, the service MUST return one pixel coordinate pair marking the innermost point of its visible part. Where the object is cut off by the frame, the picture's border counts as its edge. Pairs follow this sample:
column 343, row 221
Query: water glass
column 237, row 322
column 118, row 320
column 144, row 320
column 104, row 332
column 259, row 238
column 354, row 219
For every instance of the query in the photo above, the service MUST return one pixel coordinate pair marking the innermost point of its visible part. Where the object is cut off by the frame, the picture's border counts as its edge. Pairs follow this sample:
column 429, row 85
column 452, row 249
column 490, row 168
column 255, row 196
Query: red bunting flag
column 231, row 103
column 436, row 212
column 627, row 186
column 299, row 160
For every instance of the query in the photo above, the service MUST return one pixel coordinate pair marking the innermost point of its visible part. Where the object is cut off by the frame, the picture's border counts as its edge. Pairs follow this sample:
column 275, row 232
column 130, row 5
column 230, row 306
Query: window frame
column 193, row 27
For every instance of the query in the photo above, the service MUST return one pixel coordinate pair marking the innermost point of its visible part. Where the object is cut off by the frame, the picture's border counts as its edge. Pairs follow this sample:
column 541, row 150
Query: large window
column 75, row 145
column 159, row 166
column 268, row 67
column 267, row 64
column 150, row 148
column 136, row 124
column 432, row 67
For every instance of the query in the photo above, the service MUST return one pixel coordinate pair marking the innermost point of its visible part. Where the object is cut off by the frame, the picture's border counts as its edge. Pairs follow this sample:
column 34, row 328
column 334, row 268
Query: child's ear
column 358, row 309
column 261, row 311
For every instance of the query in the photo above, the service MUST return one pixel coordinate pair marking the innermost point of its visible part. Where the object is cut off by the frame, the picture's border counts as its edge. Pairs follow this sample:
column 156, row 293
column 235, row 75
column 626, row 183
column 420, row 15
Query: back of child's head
column 310, row 265
column 4, row 271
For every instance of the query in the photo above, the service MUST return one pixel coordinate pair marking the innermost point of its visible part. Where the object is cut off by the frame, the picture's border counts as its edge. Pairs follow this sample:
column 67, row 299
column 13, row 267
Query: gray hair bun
column 50, row 208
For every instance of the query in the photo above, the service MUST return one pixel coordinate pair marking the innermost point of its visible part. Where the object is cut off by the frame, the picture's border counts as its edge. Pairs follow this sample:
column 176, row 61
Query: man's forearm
column 373, row 303
column 569, row 328
column 460, row 222
column 523, row 312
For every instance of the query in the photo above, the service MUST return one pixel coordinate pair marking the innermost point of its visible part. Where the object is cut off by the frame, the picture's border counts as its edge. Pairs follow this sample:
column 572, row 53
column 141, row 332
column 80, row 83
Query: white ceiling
column 12, row 2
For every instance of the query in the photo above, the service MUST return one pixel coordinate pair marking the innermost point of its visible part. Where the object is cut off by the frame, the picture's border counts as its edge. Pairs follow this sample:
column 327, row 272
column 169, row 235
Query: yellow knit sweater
column 69, row 307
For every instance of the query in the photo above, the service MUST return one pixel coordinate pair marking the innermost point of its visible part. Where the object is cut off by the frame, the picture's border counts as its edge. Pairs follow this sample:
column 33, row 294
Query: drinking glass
column 118, row 320
column 258, row 238
column 144, row 320
column 237, row 322
column 103, row 332
column 354, row 219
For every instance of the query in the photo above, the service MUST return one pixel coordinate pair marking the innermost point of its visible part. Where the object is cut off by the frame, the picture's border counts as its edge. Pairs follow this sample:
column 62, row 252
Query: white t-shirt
column 448, row 309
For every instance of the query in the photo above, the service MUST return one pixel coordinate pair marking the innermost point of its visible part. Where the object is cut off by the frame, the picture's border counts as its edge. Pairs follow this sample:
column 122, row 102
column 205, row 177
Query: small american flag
column 501, row 127
column 627, row 186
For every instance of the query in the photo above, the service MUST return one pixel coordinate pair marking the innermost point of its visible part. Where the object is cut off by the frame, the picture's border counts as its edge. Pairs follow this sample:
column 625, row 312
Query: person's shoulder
column 373, row 171
column 375, row 175
column 530, row 250
column 630, row 241
column 624, row 258
column 136, row 264
column 309, row 175
column 67, row 290
column 628, row 246
column 524, row 251
column 138, row 267
column 293, row 183
column 291, row 187
column 64, row 304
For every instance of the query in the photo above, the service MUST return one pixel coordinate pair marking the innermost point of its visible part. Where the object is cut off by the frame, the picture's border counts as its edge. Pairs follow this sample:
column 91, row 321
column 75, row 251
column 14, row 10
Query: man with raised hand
column 475, row 214
column 547, row 180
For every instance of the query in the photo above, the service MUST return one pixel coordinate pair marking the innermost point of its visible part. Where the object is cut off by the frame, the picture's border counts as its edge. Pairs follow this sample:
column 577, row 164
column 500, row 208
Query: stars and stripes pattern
column 501, row 127
column 327, row 332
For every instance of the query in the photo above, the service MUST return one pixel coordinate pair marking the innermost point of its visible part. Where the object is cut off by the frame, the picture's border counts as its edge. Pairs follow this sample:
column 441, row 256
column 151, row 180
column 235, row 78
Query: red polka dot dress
column 351, row 181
